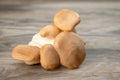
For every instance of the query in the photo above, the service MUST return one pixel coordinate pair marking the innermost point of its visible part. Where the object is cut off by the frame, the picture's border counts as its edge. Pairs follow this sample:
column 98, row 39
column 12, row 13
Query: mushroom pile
column 55, row 44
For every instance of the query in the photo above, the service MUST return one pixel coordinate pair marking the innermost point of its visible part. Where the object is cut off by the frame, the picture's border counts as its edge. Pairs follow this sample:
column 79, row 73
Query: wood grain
column 99, row 27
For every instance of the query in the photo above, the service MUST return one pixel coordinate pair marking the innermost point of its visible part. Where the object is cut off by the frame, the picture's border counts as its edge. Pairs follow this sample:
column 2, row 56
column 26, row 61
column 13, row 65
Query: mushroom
column 66, row 19
column 49, row 31
column 29, row 54
column 70, row 48
column 49, row 57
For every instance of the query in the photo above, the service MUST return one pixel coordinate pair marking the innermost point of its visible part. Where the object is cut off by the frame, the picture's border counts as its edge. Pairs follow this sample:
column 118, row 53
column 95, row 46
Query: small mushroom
column 66, row 19
column 29, row 54
column 49, row 31
column 49, row 57
column 71, row 49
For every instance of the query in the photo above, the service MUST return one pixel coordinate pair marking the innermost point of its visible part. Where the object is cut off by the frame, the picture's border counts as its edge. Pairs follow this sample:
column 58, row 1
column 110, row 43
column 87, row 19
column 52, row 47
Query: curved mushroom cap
column 49, row 31
column 28, row 54
column 66, row 19
column 49, row 57
column 71, row 49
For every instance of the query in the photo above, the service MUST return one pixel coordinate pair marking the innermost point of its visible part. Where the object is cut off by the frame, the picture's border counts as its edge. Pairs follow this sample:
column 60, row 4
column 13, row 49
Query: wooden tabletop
column 99, row 27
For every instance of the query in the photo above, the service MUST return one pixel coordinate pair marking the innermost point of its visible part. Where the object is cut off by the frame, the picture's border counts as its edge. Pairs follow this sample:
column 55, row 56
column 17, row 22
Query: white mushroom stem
column 39, row 41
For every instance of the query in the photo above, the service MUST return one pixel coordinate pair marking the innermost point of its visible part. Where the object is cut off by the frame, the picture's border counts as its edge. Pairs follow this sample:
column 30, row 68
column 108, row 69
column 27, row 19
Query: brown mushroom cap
column 66, row 19
column 71, row 49
column 49, row 57
column 28, row 54
column 49, row 31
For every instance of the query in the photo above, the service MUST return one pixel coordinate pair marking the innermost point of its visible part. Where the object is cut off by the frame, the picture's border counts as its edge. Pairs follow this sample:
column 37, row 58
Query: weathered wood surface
column 100, row 28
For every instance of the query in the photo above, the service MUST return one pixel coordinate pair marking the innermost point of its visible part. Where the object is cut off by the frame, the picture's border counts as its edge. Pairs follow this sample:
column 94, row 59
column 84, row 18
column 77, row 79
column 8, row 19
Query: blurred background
column 99, row 27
